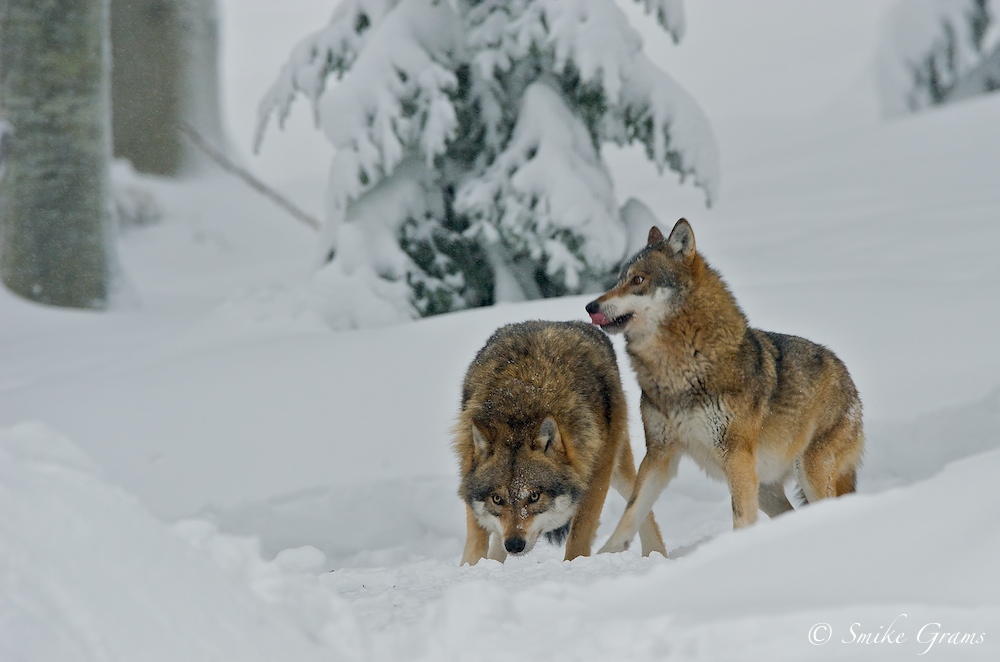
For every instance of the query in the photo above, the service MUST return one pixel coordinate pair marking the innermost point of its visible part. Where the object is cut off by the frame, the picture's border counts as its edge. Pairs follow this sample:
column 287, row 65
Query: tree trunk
column 145, row 84
column 55, row 219
column 165, row 55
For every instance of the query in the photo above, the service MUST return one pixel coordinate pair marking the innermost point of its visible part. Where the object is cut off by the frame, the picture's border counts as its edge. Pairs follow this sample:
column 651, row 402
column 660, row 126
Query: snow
column 307, row 68
column 527, row 195
column 366, row 284
column 366, row 119
column 212, row 473
column 89, row 574
column 676, row 119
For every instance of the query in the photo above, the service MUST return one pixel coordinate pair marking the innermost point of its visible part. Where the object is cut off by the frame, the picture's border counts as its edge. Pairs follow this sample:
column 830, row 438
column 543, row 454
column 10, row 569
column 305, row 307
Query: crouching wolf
column 751, row 407
column 542, row 433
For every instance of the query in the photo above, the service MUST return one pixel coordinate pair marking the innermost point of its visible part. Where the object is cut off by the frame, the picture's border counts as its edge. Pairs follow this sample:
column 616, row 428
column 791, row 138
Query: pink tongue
column 599, row 318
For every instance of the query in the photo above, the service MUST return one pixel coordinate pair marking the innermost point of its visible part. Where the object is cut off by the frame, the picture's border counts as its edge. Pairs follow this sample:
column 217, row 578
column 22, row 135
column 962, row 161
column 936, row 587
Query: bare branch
column 226, row 164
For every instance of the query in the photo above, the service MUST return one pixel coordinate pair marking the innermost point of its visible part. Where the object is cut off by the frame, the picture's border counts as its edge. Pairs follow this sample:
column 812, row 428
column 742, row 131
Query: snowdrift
column 89, row 575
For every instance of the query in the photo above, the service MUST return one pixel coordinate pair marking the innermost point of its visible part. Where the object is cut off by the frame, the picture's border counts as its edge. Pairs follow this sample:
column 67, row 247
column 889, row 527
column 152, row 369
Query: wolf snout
column 514, row 545
column 596, row 316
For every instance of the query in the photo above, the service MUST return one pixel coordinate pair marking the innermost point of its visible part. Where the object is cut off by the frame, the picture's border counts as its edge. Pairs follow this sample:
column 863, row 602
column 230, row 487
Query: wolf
column 751, row 407
column 541, row 434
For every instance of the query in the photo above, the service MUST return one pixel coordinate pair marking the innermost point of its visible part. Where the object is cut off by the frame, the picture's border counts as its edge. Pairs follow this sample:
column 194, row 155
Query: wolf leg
column 655, row 471
column 847, row 481
column 583, row 526
column 623, row 480
column 476, row 539
column 773, row 500
column 829, row 465
column 497, row 551
column 657, row 468
column 740, row 466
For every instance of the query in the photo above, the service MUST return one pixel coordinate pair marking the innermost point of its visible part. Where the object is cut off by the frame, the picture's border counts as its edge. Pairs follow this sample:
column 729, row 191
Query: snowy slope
column 219, row 394
column 88, row 574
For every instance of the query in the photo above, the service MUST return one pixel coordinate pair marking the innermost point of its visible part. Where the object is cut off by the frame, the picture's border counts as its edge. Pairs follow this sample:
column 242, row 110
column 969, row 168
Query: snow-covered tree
column 467, row 137
column 55, row 217
column 936, row 51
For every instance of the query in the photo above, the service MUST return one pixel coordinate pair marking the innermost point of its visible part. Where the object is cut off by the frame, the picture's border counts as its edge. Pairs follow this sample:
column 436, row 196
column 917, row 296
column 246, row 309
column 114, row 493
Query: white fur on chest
column 700, row 430
column 697, row 430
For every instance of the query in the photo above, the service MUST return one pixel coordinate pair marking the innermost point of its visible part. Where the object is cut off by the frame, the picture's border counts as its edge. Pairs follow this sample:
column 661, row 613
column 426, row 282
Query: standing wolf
column 751, row 407
column 542, row 433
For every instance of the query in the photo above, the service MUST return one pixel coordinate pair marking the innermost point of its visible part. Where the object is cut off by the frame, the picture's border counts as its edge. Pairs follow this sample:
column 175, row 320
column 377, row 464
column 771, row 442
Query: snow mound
column 87, row 574
column 906, row 452
column 756, row 593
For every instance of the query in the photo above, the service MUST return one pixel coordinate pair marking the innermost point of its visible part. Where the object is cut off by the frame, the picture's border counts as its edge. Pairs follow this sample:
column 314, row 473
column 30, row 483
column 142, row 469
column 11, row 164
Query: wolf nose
column 593, row 307
column 514, row 545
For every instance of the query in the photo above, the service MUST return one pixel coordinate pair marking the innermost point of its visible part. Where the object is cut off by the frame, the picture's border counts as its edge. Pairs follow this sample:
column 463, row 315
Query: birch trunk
column 56, row 244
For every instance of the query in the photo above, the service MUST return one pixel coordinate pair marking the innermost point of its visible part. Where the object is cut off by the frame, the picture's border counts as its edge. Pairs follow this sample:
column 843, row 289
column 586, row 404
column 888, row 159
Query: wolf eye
column 497, row 499
column 534, row 497
column 637, row 279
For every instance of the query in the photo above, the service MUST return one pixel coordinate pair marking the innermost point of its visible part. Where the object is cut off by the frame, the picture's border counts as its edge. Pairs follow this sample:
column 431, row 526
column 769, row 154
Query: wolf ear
column 655, row 236
column 479, row 440
column 549, row 440
column 681, row 239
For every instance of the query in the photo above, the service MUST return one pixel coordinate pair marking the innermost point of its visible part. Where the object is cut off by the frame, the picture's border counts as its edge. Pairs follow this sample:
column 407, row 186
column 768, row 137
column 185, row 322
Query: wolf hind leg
column 773, row 500
column 828, row 467
column 847, row 482
column 623, row 480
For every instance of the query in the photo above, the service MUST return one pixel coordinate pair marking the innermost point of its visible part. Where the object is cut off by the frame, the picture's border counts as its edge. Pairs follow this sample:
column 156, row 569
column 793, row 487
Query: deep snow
column 219, row 397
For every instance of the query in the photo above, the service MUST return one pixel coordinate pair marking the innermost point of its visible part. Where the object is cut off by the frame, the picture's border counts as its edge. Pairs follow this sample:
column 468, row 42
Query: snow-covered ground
column 209, row 473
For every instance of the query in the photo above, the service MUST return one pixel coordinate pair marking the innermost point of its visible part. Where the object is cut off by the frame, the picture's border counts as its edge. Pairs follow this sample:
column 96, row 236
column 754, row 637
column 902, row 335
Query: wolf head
column 521, row 483
column 651, row 286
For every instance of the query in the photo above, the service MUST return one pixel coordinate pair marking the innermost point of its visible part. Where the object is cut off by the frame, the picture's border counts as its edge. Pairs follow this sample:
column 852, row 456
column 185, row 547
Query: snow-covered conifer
column 935, row 51
column 467, row 137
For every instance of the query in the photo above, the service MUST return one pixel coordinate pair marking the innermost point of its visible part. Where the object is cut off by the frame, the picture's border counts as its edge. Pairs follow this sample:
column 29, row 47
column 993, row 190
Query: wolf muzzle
column 514, row 545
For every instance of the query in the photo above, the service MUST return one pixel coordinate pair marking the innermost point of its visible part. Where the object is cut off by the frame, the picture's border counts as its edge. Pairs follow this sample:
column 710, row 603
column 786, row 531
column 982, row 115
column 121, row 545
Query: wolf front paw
column 612, row 546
